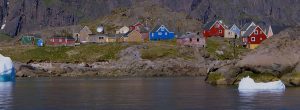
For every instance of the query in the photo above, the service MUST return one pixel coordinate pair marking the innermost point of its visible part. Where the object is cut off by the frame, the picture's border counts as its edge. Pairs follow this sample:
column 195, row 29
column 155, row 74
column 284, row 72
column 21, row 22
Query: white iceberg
column 7, row 70
column 249, row 84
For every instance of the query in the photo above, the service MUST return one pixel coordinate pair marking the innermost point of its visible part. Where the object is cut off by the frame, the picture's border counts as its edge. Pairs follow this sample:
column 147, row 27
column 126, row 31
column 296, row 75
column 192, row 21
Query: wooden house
column 160, row 32
column 61, row 41
column 123, row 30
column 246, row 27
column 133, row 36
column 214, row 28
column 253, row 37
column 191, row 40
column 27, row 40
column 233, row 32
column 84, row 34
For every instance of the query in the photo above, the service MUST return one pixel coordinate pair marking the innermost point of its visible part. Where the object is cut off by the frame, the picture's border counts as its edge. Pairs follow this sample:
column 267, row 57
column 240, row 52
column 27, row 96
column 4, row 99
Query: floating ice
column 249, row 84
column 7, row 70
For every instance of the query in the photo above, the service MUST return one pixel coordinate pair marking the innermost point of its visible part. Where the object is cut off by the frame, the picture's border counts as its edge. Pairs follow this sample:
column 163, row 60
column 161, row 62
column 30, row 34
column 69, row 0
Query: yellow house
column 133, row 36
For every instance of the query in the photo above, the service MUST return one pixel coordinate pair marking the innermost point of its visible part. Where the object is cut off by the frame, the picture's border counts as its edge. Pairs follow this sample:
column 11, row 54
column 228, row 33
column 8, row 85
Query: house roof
column 234, row 26
column 250, row 31
column 208, row 25
column 191, row 35
column 69, row 37
column 86, row 30
column 155, row 28
column 244, row 28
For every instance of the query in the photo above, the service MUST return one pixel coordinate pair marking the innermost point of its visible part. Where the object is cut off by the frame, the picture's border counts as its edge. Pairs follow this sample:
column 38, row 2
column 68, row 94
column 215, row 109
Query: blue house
column 39, row 42
column 236, row 30
column 161, row 33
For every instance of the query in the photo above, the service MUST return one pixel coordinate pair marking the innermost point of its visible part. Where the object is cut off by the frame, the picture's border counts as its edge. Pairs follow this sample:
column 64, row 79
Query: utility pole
column 234, row 45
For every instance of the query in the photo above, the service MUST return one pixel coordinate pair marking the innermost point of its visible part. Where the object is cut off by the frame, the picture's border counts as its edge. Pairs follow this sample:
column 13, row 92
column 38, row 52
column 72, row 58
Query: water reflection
column 253, row 99
column 6, row 98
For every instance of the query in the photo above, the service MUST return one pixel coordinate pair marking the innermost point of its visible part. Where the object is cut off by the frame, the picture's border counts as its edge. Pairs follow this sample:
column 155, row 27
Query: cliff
column 20, row 16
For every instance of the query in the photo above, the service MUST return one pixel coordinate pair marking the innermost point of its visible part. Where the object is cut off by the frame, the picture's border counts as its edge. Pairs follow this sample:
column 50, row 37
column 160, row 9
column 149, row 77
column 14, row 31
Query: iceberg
column 249, row 84
column 7, row 70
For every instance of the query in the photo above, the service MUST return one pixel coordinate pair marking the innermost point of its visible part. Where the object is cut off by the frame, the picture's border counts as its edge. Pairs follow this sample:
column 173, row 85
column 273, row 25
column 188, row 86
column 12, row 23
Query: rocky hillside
column 277, row 58
column 19, row 16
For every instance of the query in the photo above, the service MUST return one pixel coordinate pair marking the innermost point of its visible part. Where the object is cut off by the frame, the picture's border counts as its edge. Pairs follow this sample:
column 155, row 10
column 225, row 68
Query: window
column 166, row 33
column 162, row 29
column 191, row 39
column 253, row 39
column 256, row 32
column 101, row 38
column 198, row 39
column 152, row 34
column 261, row 38
column 160, row 33
column 220, row 31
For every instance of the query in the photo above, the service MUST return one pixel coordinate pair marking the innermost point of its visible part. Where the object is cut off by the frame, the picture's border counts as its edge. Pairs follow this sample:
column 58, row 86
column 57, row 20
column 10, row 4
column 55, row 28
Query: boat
column 248, row 83
column 7, row 69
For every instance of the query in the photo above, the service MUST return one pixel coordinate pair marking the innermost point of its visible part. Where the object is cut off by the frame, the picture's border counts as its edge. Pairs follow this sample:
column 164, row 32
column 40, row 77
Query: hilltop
column 23, row 16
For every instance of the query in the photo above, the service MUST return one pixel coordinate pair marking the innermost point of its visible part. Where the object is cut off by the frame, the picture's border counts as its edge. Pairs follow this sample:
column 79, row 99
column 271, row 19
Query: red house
column 253, row 37
column 61, row 41
column 214, row 28
column 135, row 27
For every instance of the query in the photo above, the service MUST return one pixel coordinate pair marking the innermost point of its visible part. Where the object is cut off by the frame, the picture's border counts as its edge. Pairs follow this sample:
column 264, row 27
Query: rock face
column 28, row 15
column 129, row 64
column 277, row 58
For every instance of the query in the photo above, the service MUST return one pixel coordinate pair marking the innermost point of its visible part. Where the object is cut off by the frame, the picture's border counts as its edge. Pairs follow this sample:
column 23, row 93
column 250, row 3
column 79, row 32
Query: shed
column 61, row 41
column 39, row 42
column 84, row 34
column 27, row 40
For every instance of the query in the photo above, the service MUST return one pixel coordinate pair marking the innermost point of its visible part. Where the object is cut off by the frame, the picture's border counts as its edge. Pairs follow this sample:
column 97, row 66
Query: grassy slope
column 5, row 38
column 220, row 44
column 84, row 53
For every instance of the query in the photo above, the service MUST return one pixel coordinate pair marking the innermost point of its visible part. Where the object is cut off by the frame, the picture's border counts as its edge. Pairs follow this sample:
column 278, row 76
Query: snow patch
column 249, row 84
column 3, row 25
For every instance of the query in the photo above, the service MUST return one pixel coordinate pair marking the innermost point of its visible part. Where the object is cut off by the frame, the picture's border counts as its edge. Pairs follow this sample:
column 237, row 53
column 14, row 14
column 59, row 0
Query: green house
column 27, row 40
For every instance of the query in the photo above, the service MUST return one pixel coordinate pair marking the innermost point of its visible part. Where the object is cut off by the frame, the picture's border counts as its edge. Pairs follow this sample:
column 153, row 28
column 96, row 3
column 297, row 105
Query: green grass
column 83, row 53
column 214, row 77
column 5, row 38
column 221, row 44
column 261, row 77
column 165, row 49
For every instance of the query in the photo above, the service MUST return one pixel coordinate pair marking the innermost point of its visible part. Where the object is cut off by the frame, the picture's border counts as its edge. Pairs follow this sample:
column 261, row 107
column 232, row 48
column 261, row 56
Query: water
column 138, row 94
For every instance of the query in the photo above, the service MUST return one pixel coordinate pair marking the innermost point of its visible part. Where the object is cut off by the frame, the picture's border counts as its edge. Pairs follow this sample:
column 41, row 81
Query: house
column 84, row 34
column 98, row 38
column 192, row 40
column 133, row 36
column 253, row 37
column 233, row 32
column 123, row 30
column 27, row 40
column 246, row 27
column 39, row 42
column 136, row 26
column 214, row 28
column 61, row 41
column 160, row 32
column 269, row 32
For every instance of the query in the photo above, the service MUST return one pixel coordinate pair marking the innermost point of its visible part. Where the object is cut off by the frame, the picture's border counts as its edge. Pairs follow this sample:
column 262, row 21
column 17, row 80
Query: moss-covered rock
column 216, row 78
column 291, row 79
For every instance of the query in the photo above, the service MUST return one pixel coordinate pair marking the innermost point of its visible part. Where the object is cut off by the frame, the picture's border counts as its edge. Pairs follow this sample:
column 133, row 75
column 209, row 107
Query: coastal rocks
column 129, row 64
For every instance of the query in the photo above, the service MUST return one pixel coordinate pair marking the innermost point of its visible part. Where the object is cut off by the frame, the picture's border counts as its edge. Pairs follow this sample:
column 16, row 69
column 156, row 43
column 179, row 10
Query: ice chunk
column 249, row 84
column 7, row 70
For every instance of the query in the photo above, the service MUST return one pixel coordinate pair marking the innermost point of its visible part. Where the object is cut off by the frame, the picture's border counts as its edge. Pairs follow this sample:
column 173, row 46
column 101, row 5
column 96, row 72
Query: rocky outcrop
column 29, row 15
column 130, row 64
column 277, row 57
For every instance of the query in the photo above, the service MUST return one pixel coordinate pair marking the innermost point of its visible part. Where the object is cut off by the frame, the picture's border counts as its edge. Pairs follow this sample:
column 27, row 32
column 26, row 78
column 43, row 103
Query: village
column 249, row 36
